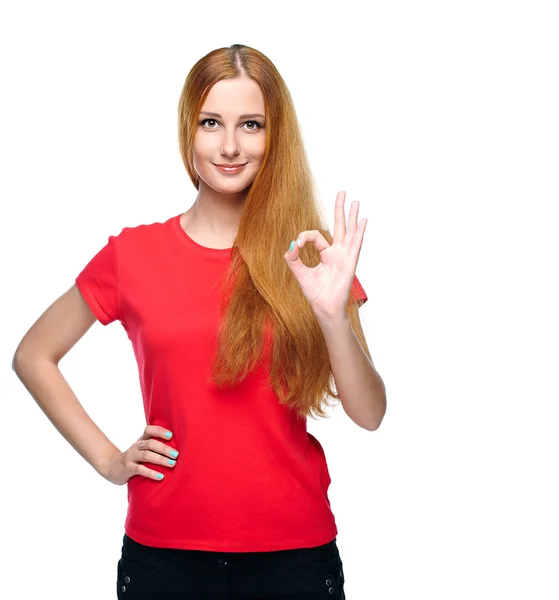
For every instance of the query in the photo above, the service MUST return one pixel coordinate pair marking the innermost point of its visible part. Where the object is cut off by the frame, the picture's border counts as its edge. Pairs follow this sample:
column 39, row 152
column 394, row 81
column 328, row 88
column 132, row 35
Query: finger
column 296, row 265
column 147, row 472
column 155, row 458
column 156, row 446
column 339, row 218
column 351, row 225
column 156, row 431
column 314, row 236
column 357, row 244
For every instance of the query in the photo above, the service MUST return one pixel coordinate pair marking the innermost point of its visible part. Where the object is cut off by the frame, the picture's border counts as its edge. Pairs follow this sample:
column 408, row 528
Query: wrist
column 104, row 462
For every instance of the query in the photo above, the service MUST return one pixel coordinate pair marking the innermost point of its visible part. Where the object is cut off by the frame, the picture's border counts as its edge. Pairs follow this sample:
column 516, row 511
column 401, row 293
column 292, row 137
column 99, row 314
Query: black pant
column 149, row 573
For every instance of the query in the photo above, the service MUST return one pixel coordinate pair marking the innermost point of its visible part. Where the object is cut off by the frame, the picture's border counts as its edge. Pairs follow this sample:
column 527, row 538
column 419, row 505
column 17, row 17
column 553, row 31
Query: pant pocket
column 138, row 558
column 141, row 568
column 322, row 574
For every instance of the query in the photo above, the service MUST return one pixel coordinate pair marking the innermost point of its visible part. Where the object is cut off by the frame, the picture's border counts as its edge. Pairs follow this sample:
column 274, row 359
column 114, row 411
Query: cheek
column 203, row 148
column 257, row 148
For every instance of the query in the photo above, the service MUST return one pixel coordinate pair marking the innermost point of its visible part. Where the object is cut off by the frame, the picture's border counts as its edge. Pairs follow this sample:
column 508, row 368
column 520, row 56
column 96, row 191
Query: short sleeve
column 98, row 283
column 357, row 293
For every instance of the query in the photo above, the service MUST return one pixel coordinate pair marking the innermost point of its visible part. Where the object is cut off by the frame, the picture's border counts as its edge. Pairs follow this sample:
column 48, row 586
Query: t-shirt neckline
column 214, row 252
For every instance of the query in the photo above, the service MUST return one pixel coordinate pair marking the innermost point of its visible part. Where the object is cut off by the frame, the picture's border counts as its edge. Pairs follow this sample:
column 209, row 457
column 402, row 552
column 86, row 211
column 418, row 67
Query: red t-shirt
column 249, row 477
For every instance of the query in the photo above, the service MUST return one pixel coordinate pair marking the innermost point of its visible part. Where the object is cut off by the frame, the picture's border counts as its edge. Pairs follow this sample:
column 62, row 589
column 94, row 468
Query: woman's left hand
column 327, row 286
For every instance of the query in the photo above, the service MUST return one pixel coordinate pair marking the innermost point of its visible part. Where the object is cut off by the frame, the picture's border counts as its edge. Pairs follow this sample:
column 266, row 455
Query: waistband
column 208, row 557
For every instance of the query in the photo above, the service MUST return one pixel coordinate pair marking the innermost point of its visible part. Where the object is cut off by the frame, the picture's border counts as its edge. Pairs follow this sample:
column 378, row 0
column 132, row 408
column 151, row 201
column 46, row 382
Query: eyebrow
column 249, row 116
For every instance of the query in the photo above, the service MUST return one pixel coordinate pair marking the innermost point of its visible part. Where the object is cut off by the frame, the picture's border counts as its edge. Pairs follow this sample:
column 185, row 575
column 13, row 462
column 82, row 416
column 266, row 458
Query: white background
column 442, row 119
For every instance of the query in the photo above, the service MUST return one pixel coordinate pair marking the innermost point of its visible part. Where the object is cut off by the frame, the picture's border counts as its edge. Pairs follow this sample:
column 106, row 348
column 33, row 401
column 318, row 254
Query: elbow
column 368, row 423
column 17, row 362
column 366, row 411
column 375, row 424
column 18, row 356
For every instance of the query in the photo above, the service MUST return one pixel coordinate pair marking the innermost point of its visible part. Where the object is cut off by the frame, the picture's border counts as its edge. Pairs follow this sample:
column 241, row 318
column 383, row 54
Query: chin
column 232, row 188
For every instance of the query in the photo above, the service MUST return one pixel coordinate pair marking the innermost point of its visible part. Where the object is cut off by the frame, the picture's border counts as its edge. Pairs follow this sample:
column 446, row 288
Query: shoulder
column 143, row 232
column 143, row 243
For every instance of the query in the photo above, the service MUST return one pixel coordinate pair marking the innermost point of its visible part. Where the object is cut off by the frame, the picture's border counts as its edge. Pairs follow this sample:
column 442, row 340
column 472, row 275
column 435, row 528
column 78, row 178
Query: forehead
column 232, row 97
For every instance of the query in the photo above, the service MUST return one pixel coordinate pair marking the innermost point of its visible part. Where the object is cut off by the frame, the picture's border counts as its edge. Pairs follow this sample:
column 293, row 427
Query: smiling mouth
column 225, row 169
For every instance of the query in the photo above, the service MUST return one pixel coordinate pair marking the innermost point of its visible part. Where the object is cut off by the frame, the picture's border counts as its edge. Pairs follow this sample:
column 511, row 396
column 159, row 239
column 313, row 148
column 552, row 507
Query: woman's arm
column 35, row 362
column 360, row 387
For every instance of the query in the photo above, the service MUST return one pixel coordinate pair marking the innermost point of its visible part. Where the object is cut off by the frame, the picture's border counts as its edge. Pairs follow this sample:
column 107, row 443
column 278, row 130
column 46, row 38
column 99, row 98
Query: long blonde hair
column 261, row 290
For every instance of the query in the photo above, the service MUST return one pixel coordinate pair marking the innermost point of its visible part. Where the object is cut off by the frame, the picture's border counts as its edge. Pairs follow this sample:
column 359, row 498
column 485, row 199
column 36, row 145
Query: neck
column 216, row 213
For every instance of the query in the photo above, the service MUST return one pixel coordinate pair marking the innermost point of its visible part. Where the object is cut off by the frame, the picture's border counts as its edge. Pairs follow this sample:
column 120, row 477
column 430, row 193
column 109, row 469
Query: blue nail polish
column 159, row 475
column 168, row 434
column 292, row 245
column 174, row 453
column 172, row 462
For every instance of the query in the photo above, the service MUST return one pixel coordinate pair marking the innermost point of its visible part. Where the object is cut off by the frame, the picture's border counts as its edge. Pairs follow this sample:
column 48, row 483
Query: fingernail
column 174, row 453
column 292, row 245
column 168, row 434
column 159, row 475
column 172, row 462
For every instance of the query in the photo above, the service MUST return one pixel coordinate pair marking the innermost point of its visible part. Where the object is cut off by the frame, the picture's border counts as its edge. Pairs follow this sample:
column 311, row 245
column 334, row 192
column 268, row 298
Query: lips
column 226, row 169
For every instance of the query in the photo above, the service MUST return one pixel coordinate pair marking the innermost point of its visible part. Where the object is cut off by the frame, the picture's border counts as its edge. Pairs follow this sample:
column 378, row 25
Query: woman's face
column 233, row 134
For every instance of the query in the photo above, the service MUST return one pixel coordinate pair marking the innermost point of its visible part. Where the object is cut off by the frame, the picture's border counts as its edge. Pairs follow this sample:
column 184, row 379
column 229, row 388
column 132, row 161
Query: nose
column 230, row 144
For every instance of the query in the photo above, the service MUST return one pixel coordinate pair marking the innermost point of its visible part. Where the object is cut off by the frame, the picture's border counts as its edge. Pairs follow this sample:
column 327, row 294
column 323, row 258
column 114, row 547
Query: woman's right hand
column 124, row 465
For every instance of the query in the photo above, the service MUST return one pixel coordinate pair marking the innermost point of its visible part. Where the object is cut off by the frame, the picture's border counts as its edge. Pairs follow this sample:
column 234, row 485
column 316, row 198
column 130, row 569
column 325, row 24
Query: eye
column 256, row 124
column 204, row 121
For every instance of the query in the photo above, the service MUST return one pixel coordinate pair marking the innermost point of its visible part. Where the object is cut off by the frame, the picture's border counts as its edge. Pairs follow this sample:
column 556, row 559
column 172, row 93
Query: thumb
column 292, row 254
column 294, row 262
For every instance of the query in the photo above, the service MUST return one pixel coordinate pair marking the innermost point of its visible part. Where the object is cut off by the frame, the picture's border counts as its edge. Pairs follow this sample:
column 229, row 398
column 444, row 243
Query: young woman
column 238, row 339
